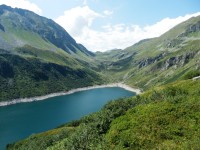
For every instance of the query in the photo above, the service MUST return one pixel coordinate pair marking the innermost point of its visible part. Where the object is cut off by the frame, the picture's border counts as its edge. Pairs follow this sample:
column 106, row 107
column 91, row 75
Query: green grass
column 58, row 57
column 185, row 49
column 170, row 121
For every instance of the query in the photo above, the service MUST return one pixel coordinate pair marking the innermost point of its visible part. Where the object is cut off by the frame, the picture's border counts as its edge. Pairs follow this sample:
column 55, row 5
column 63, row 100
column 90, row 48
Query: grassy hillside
column 38, row 57
column 156, row 61
column 21, row 27
column 27, row 77
column 171, row 121
column 165, row 117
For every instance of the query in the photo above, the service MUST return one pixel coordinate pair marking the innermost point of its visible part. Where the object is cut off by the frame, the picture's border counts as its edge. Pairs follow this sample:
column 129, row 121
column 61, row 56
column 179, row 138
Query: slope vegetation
column 20, row 78
column 156, row 61
column 38, row 57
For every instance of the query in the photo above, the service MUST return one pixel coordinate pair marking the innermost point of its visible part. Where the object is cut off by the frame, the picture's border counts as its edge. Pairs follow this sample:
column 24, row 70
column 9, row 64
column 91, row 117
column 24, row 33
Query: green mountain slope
column 22, row 27
column 165, row 117
column 20, row 78
column 159, row 60
column 39, row 57
column 170, row 122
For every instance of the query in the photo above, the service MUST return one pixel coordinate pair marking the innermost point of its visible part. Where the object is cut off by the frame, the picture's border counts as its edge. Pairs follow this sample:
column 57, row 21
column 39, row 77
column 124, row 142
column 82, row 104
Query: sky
column 102, row 25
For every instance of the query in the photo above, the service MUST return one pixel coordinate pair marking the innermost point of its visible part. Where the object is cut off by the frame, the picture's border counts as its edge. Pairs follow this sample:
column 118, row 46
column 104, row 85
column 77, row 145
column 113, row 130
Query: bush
column 191, row 74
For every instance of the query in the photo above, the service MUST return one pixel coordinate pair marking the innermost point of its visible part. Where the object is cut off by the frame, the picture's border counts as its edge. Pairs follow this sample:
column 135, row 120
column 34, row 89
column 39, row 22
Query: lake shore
column 38, row 98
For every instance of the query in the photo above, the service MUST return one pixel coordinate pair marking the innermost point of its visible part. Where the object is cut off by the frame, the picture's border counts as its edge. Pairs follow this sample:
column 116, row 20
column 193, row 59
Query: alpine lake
column 21, row 120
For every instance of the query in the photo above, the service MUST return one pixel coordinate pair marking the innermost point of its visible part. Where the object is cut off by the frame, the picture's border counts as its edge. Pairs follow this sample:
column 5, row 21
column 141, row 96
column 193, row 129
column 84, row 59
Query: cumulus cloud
column 77, row 19
column 78, row 22
column 165, row 24
column 24, row 4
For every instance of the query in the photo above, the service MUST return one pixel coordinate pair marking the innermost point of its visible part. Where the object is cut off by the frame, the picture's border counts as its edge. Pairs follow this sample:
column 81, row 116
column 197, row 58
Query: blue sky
column 139, row 12
column 107, row 24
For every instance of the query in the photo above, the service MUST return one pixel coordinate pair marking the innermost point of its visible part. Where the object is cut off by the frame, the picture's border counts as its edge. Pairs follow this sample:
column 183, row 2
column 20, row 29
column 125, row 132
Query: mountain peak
column 5, row 7
column 21, row 24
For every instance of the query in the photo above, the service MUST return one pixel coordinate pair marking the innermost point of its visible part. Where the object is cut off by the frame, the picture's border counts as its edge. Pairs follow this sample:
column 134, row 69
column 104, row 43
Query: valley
column 38, row 57
column 41, row 64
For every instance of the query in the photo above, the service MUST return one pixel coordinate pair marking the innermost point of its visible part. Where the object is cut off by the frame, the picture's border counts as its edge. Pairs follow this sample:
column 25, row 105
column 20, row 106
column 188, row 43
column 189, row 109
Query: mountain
column 164, row 117
column 159, row 60
column 147, row 63
column 37, row 56
column 22, row 27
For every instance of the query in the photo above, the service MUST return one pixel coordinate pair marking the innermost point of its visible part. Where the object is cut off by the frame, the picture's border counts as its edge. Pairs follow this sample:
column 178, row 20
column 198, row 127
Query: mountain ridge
column 175, row 51
column 47, row 29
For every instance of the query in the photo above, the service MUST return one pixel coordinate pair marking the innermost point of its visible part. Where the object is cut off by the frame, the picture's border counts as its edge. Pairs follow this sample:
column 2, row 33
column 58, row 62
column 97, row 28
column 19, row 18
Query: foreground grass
column 171, row 121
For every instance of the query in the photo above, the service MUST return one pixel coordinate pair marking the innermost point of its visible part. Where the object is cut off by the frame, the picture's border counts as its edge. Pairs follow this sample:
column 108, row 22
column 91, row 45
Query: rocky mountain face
column 148, row 61
column 181, row 60
column 174, row 61
column 16, row 23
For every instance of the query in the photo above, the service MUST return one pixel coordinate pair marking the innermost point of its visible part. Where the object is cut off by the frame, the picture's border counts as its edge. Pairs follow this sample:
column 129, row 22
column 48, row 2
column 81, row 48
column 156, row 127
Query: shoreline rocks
column 38, row 98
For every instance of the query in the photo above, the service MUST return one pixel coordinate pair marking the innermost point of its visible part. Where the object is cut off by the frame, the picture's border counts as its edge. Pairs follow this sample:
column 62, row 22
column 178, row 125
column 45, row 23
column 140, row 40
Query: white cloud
column 107, row 12
column 24, row 4
column 166, row 24
column 77, row 19
column 78, row 22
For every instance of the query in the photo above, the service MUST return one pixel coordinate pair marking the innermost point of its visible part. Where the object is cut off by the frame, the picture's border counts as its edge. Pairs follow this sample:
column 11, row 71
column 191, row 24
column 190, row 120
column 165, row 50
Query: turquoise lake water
column 21, row 120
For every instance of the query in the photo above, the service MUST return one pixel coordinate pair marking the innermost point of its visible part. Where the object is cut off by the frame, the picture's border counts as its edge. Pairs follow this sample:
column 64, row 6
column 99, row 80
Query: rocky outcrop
column 173, row 43
column 175, row 61
column 194, row 28
column 2, row 28
column 151, row 60
column 179, row 61
column 191, row 29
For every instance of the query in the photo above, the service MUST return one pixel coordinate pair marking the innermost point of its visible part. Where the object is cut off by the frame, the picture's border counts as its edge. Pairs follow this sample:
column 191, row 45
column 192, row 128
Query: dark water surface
column 21, row 120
